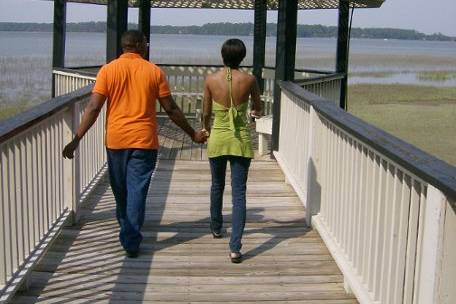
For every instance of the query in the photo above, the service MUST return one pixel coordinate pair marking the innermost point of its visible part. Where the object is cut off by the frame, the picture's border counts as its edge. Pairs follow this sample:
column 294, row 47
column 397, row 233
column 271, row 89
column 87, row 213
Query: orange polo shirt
column 131, row 86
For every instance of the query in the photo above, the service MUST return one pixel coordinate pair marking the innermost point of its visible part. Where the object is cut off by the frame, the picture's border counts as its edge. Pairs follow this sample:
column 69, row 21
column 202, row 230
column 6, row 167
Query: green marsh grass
column 436, row 75
column 422, row 116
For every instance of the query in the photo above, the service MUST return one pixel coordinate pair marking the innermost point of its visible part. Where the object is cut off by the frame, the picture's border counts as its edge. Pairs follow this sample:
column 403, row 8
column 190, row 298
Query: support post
column 117, row 24
column 71, row 171
column 285, row 58
column 59, row 33
column 259, row 41
column 342, row 50
column 144, row 21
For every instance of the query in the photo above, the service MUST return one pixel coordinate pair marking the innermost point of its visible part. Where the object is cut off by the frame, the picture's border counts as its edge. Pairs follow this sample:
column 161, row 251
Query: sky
column 425, row 16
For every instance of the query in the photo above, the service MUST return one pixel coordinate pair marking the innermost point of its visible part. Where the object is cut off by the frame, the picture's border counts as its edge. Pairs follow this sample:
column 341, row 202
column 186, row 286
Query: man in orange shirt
column 131, row 86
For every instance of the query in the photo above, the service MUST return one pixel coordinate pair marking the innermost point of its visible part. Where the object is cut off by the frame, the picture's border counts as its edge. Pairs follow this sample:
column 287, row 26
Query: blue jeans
column 130, row 171
column 239, row 172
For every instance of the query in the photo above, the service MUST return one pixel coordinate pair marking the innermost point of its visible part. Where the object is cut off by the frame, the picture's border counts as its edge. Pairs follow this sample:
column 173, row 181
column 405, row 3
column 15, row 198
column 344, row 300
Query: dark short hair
column 233, row 52
column 131, row 39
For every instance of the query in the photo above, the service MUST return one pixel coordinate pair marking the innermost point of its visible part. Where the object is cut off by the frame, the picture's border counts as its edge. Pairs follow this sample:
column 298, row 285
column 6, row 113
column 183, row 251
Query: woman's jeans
column 130, row 171
column 239, row 173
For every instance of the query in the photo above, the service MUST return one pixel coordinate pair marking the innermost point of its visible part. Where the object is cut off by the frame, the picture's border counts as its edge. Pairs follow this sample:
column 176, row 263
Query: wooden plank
column 106, row 300
column 285, row 261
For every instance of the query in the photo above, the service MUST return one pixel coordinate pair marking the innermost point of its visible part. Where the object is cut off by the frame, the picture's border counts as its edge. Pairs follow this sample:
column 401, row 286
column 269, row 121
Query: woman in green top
column 226, row 96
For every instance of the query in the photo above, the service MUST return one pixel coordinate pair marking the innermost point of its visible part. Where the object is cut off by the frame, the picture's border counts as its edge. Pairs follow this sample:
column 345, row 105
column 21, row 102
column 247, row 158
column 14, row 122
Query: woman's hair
column 233, row 52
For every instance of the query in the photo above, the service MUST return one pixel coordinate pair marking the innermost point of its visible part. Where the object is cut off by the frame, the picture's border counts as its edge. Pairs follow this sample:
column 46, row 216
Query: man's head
column 134, row 41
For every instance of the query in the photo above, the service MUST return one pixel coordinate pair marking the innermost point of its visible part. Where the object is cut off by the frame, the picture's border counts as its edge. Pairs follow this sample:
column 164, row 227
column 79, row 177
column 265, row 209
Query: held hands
column 256, row 114
column 68, row 151
column 201, row 136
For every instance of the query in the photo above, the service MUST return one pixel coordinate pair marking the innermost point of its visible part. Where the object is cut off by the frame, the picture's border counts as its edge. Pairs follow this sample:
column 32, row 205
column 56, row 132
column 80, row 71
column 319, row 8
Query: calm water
column 25, row 57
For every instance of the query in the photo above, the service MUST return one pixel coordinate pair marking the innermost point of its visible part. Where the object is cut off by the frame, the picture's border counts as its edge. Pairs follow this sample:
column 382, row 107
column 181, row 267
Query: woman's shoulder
column 213, row 76
column 246, row 75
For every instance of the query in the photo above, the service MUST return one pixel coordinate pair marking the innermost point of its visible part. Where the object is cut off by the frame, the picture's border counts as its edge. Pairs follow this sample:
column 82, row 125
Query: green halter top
column 230, row 133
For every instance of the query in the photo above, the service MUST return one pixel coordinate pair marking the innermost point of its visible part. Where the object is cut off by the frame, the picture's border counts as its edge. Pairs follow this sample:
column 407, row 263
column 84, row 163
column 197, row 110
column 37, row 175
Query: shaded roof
column 241, row 4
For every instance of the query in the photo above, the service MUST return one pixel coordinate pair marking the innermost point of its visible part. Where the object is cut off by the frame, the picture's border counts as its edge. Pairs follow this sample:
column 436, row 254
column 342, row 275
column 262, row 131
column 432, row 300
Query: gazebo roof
column 241, row 4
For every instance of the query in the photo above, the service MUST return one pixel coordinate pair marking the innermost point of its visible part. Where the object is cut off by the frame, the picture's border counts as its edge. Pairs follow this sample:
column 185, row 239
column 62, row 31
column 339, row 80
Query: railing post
column 313, row 175
column 70, row 167
column 428, row 263
column 285, row 58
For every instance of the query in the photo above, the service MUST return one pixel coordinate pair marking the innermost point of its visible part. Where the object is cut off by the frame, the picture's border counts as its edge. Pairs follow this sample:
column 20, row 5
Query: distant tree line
column 238, row 29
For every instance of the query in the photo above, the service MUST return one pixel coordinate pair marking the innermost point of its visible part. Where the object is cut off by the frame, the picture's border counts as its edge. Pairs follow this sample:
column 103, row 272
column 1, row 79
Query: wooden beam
column 259, row 41
column 342, row 49
column 144, row 20
column 117, row 25
column 58, row 46
column 285, row 58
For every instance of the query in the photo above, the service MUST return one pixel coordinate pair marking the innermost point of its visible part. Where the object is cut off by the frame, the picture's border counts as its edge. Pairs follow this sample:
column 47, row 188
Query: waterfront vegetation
column 237, row 29
column 437, row 75
column 423, row 116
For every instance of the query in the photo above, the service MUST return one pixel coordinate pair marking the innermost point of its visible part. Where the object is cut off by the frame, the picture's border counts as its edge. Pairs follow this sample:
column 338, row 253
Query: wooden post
column 285, row 58
column 259, row 41
column 71, row 171
column 58, row 45
column 342, row 49
column 117, row 25
column 144, row 21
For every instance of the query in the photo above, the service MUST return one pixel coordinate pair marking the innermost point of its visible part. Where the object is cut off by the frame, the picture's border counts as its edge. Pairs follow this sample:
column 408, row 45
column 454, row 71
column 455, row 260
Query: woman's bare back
column 242, row 85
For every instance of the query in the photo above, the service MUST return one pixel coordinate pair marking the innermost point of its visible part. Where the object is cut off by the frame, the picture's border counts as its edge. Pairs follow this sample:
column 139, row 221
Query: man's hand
column 91, row 112
column 255, row 114
column 200, row 136
column 68, row 151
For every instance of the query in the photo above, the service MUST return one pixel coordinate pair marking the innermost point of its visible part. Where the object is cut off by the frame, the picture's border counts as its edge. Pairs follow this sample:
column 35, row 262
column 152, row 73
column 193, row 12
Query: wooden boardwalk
column 180, row 262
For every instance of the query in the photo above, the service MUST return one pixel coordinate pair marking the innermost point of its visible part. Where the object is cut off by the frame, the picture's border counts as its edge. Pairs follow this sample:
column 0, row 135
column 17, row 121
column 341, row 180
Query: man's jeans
column 130, row 171
column 239, row 173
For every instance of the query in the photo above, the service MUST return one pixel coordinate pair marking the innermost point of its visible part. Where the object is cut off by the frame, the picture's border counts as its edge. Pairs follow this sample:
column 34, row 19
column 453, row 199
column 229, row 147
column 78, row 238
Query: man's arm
column 176, row 115
column 89, row 117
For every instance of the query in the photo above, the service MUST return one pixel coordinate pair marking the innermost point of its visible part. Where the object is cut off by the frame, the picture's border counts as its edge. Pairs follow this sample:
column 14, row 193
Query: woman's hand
column 206, row 132
column 200, row 136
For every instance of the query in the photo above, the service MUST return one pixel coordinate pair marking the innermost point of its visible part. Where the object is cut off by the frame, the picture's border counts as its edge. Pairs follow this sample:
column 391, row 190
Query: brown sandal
column 237, row 258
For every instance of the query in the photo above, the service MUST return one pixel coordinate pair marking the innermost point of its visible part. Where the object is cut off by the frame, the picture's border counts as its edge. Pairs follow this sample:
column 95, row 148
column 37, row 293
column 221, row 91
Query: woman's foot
column 236, row 257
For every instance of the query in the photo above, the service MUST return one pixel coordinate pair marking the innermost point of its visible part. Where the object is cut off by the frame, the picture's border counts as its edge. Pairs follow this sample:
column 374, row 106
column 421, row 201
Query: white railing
column 41, row 190
column 66, row 81
column 187, row 84
column 385, row 209
column 327, row 86
column 268, row 75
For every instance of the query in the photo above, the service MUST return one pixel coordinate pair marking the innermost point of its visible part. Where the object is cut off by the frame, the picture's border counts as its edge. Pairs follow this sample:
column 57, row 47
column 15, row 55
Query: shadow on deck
column 285, row 261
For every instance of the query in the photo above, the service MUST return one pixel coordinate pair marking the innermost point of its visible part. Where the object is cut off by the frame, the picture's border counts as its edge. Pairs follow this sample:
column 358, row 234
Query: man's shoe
column 216, row 234
column 132, row 254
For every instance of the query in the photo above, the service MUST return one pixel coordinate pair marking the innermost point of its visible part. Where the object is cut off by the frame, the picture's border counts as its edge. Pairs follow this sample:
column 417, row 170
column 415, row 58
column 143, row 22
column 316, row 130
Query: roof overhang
column 242, row 4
